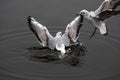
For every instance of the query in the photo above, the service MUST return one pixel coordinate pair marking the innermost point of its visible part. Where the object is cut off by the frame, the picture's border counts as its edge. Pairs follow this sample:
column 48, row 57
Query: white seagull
column 98, row 17
column 60, row 41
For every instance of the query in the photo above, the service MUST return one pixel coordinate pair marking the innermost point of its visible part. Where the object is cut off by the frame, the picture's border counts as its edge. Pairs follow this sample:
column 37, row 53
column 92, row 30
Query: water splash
column 73, row 55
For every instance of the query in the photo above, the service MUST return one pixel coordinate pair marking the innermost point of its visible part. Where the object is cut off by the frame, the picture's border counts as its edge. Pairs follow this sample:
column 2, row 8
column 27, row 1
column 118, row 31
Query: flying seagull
column 60, row 41
column 98, row 17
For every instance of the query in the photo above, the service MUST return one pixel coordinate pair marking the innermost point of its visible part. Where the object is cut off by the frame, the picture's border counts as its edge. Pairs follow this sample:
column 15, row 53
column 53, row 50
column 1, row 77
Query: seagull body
column 98, row 17
column 60, row 41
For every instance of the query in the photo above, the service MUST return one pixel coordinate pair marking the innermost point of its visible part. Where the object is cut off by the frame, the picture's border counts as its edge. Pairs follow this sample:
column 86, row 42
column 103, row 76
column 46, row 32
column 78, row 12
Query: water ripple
column 21, row 57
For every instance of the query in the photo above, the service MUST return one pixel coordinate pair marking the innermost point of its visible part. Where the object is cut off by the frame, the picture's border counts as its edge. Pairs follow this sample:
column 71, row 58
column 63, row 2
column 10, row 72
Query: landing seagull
column 97, row 18
column 60, row 41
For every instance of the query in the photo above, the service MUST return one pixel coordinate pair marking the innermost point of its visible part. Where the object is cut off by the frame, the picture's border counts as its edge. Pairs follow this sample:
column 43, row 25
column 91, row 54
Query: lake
column 18, row 43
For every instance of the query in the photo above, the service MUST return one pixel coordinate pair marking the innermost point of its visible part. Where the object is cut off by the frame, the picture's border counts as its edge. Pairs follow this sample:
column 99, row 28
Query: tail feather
column 103, row 29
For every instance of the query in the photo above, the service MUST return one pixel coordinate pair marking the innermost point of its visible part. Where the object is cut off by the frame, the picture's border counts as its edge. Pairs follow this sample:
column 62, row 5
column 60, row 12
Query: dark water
column 17, row 42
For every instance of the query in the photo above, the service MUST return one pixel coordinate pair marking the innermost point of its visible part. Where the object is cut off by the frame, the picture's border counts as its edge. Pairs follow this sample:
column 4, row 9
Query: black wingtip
column 29, row 20
column 29, row 23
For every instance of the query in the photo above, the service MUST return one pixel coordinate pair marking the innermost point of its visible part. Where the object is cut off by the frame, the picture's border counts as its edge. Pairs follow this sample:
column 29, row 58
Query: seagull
column 98, row 17
column 60, row 41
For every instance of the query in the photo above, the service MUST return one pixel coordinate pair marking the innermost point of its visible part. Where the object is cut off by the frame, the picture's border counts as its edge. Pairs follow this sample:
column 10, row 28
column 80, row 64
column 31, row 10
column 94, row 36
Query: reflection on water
column 73, row 56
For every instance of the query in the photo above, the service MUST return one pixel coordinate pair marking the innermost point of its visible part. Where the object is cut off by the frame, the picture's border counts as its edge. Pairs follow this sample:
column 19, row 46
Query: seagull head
column 61, row 47
column 59, row 34
column 84, row 12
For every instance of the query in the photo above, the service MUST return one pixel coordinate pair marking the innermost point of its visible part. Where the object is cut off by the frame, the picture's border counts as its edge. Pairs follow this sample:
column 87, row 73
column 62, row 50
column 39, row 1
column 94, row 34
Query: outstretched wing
column 107, row 14
column 40, row 31
column 107, row 4
column 72, row 31
column 114, row 4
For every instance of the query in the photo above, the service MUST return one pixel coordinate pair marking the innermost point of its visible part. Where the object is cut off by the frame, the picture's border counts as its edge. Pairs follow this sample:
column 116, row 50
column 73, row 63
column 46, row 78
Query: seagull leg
column 93, row 33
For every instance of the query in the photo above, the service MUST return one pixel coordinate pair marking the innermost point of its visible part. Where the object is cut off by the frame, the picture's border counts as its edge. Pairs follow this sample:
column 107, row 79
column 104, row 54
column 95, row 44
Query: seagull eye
column 82, row 13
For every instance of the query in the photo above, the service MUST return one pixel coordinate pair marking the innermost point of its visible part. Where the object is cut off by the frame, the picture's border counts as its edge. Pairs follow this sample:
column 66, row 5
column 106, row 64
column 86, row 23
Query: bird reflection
column 72, row 57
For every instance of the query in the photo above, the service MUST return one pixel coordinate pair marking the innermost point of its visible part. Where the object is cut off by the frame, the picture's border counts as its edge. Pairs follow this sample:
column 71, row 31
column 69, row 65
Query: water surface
column 17, row 42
